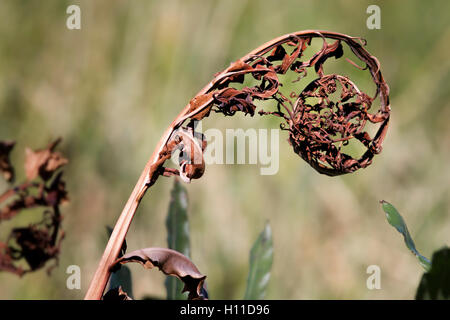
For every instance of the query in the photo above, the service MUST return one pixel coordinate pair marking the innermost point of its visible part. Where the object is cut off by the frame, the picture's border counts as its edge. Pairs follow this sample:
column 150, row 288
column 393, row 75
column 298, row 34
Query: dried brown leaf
column 198, row 102
column 171, row 263
column 328, row 50
column 33, row 243
column 192, row 145
column 38, row 242
column 43, row 163
column 239, row 65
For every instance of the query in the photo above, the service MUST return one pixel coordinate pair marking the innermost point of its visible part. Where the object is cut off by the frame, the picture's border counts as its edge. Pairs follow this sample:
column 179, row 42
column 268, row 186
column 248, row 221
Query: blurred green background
column 110, row 90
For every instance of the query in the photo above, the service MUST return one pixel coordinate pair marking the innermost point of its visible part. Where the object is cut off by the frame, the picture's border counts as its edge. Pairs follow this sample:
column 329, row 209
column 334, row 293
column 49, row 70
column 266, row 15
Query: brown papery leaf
column 39, row 242
column 192, row 164
column 5, row 164
column 197, row 102
column 44, row 162
column 171, row 263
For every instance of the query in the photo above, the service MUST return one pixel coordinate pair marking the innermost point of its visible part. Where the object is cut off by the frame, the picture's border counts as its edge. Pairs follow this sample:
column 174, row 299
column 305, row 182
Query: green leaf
column 396, row 220
column 122, row 278
column 261, row 258
column 435, row 284
column 177, row 225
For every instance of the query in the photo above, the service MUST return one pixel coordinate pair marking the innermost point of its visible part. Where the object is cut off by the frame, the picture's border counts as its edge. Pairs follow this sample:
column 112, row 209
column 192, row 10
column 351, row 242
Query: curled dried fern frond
column 320, row 126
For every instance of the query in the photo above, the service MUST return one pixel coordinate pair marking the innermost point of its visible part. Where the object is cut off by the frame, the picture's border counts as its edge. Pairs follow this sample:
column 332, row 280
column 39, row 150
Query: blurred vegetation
column 177, row 225
column 435, row 284
column 110, row 89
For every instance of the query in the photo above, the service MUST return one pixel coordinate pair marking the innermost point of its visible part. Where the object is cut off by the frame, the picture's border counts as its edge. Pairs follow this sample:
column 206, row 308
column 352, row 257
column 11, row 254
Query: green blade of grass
column 177, row 225
column 396, row 220
column 261, row 258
